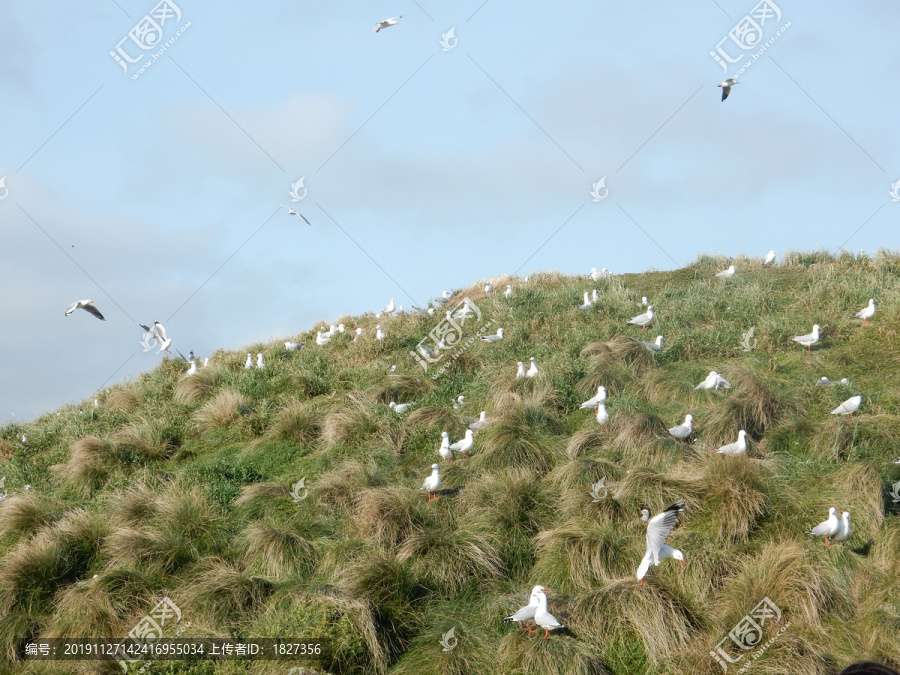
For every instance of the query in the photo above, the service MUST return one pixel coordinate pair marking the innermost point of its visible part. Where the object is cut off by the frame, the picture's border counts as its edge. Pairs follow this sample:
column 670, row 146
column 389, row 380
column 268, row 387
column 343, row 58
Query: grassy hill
column 182, row 486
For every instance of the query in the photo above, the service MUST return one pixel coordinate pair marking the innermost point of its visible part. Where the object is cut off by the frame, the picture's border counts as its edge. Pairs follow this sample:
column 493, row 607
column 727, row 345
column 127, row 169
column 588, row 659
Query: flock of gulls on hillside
column 658, row 526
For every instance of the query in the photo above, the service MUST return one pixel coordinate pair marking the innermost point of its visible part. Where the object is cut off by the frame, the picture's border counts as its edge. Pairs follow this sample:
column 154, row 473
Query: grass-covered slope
column 181, row 486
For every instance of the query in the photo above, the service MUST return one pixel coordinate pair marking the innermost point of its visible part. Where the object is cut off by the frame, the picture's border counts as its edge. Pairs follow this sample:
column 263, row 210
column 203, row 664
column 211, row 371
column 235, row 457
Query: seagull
column 444, row 299
column 341, row 328
column 356, row 334
column 379, row 334
column 843, row 533
column 480, row 423
column 588, row 303
column 714, row 381
column 533, row 369
column 824, row 380
column 851, row 405
column 248, row 364
column 602, row 415
column 192, row 369
column 291, row 212
column 654, row 346
column 770, row 258
column 643, row 319
column 827, row 528
column 594, row 296
column 739, row 447
column 594, row 401
column 206, row 360
column 520, row 373
column 293, row 346
column 866, row 312
column 508, row 292
column 160, row 332
column 259, row 361
column 493, row 338
column 727, row 85
column 543, row 618
column 465, row 444
column 658, row 529
column 683, row 430
column 87, row 305
column 322, row 338
column 433, row 482
column 387, row 23
column 644, row 301
column 595, row 275
column 526, row 613
column 444, row 451
column 400, row 408
column 489, row 288
column 726, row 273
column 389, row 309
column 808, row 340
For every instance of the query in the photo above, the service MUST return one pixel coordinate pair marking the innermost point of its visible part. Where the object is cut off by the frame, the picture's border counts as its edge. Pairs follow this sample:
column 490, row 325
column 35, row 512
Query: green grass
column 182, row 486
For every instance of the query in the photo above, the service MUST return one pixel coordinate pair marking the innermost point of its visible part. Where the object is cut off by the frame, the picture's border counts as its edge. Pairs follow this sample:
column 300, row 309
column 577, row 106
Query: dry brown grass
column 25, row 513
column 276, row 549
column 123, row 399
column 296, row 422
column 200, row 385
column 225, row 593
column 340, row 486
column 225, row 410
column 755, row 406
column 347, row 424
column 615, row 363
column 88, row 463
column 143, row 439
column 401, row 389
column 387, row 516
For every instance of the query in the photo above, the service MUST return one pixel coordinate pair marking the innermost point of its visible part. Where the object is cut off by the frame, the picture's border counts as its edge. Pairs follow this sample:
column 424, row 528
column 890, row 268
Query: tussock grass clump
column 87, row 611
column 448, row 560
column 441, row 419
column 755, row 406
column 401, row 388
column 562, row 656
column 87, row 465
column 123, row 399
column 347, row 424
column 226, row 594
column 387, row 516
column 135, row 505
column 25, row 513
column 225, row 410
column 143, row 440
column 277, row 549
column 520, row 436
column 341, row 486
column 200, row 385
column 256, row 498
column 295, row 422
column 581, row 554
column 645, row 488
column 876, row 436
column 585, row 439
column 616, row 362
column 634, row 434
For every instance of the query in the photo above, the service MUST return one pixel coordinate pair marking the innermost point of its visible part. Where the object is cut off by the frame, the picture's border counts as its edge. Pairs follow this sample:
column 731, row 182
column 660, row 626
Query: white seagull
column 602, row 415
column 714, row 381
column 463, row 445
column 480, row 423
column 843, row 533
column 356, row 334
column 595, row 400
column 726, row 273
column 654, row 346
column 379, row 334
column 543, row 618
column 644, row 319
column 808, row 340
column 770, row 258
column 588, row 303
column 489, row 288
column 520, row 373
column 192, row 369
column 444, row 299
column 444, row 451
column 533, row 369
column 248, row 364
column 433, row 483
column 739, row 447
column 87, row 305
column 259, row 361
column 526, row 613
column 827, row 528
column 389, row 308
column 387, row 23
column 727, row 85
column 683, row 430
column 658, row 529
column 293, row 346
column 866, row 312
column 851, row 405
column 400, row 408
column 322, row 338
column 595, row 275
column 644, row 301
column 493, row 338
column 291, row 212
column 508, row 292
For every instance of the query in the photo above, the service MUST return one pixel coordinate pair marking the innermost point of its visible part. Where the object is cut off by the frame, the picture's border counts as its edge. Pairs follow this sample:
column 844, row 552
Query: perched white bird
column 520, row 373
column 508, row 292
column 444, row 299
column 444, row 451
column 644, row 319
column 526, row 613
column 843, row 533
column 463, row 445
column 683, row 430
column 595, row 275
column 389, row 308
column 192, row 369
column 739, row 447
column 87, row 305
column 259, row 361
column 356, row 334
column 594, row 296
column 588, row 303
column 866, row 312
column 400, row 408
column 291, row 212
column 341, row 328
column 293, row 346
column 726, row 273
column 489, row 288
column 770, row 258
column 595, row 400
column 713, row 381
column 533, row 369
column 654, row 346
column 493, row 338
column 433, row 483
column 248, row 364
column 644, row 301
column 658, row 529
column 480, row 423
column 827, row 528
column 602, row 415
column 322, row 338
column 727, row 85
column 808, row 340
column 387, row 23
column 824, row 380
column 851, row 405
column 543, row 618
column 379, row 334
column 206, row 361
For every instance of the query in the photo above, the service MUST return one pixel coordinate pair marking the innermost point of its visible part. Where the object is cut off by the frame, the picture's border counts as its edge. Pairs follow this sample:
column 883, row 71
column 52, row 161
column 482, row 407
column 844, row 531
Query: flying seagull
column 727, row 85
column 291, row 212
column 159, row 332
column 387, row 23
column 87, row 305
column 658, row 529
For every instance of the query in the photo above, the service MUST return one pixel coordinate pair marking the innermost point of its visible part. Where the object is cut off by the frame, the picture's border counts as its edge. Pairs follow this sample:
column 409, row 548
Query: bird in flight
column 387, row 23
column 87, row 305
column 727, row 85
column 291, row 212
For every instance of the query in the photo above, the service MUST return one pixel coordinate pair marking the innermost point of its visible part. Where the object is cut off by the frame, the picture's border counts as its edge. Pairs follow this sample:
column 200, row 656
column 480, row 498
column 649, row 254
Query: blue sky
column 425, row 169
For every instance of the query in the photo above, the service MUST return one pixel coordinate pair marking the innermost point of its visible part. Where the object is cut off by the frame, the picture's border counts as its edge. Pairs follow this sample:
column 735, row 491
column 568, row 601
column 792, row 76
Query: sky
column 429, row 159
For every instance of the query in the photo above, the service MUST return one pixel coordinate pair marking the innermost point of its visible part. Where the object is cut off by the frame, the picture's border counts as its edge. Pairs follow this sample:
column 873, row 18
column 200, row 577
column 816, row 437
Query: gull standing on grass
column 588, row 303
column 291, row 212
column 866, row 312
column 851, row 405
column 464, row 445
column 739, row 447
column 248, row 364
column 508, row 292
column 480, row 423
column 827, row 528
column 520, row 373
column 526, row 613
column 444, row 451
column 489, row 287
column 654, row 347
column 259, row 361
column 600, row 397
column 322, row 338
column 533, row 369
column 726, row 273
column 400, row 408
column 713, row 381
column 379, row 334
column 433, row 483
column 493, row 338
column 770, row 258
column 644, row 319
column 602, row 415
column 843, row 533
column 808, row 340
column 658, row 529
column 683, row 430
column 543, row 618
column 86, row 305
column 293, row 346
column 389, row 308
column 192, row 369
column 444, row 299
